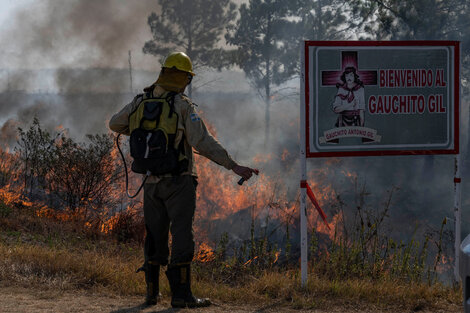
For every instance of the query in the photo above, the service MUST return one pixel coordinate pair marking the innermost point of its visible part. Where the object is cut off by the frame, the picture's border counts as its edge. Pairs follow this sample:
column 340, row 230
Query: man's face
column 349, row 78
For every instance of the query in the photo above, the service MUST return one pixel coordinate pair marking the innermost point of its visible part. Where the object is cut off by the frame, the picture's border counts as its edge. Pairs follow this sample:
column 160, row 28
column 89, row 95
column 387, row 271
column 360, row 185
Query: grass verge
column 42, row 253
column 107, row 270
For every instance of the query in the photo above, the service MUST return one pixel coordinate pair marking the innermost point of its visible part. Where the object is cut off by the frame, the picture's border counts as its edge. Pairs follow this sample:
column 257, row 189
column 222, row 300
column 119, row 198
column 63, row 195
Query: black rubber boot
column 152, row 273
column 179, row 278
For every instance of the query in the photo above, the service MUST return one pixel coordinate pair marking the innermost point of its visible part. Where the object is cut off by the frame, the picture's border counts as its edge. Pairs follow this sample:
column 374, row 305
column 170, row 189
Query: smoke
column 77, row 33
column 46, row 44
column 8, row 134
column 422, row 185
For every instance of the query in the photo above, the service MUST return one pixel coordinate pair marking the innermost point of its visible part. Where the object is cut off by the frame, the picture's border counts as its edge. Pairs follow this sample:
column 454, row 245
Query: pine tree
column 325, row 20
column 194, row 27
column 268, row 49
column 412, row 20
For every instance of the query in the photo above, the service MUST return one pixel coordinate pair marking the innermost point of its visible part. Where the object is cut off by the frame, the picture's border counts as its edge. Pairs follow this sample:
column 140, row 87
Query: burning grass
column 56, row 233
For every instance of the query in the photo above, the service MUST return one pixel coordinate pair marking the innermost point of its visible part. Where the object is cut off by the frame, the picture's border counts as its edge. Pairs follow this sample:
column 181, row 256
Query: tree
column 413, row 20
column 325, row 20
column 192, row 26
column 267, row 46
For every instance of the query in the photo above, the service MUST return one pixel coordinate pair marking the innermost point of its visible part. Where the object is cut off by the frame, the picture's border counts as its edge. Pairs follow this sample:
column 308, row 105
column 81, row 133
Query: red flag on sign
column 310, row 194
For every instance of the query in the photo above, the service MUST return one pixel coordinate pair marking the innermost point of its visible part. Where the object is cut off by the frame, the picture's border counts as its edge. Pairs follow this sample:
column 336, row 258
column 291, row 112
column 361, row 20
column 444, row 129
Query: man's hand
column 244, row 172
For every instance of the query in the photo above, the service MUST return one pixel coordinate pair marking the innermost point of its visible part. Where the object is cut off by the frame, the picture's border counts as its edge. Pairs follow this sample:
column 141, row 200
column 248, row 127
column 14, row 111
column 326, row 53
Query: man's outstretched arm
column 199, row 137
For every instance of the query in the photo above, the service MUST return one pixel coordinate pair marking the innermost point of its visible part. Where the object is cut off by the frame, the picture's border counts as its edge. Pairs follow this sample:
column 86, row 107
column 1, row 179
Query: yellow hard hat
column 180, row 61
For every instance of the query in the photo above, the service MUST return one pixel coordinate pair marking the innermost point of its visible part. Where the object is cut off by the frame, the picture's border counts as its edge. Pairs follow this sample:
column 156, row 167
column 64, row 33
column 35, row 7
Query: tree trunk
column 267, row 83
column 267, row 115
column 318, row 16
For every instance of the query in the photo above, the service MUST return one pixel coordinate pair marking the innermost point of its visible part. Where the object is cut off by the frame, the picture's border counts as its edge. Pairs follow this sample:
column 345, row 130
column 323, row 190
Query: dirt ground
column 19, row 299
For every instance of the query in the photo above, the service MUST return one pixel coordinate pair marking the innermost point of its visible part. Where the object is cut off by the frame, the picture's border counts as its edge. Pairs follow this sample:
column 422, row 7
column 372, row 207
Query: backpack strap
column 170, row 98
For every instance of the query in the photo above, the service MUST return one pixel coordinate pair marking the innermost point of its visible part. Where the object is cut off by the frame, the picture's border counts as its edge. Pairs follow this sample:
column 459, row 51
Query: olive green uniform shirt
column 190, row 127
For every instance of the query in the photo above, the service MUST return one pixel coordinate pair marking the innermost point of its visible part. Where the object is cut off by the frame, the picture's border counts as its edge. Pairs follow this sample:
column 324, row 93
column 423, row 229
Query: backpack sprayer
column 153, row 126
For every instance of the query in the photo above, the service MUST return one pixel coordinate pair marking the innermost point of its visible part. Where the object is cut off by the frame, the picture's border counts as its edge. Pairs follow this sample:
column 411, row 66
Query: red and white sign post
column 377, row 98
column 303, row 176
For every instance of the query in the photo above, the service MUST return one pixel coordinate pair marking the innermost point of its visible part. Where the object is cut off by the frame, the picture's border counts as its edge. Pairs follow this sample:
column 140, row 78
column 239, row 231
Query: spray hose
column 127, row 175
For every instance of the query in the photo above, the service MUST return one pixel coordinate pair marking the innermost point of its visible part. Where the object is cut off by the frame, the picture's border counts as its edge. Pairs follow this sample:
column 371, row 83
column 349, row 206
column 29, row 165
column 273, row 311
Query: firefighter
column 170, row 199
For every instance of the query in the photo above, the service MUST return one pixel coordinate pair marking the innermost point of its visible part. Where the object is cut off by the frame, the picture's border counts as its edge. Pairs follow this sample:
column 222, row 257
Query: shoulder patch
column 194, row 117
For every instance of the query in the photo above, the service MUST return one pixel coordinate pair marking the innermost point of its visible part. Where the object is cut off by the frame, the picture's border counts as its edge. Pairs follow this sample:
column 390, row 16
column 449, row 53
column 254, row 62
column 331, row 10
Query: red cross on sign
column 348, row 59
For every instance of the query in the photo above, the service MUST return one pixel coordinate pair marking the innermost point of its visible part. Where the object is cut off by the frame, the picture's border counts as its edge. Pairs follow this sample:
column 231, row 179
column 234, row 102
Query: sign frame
column 305, row 125
column 421, row 43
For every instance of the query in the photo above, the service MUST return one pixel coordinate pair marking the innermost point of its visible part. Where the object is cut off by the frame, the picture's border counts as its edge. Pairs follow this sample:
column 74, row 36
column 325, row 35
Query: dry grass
column 29, row 264
column 284, row 288
column 38, row 252
column 107, row 271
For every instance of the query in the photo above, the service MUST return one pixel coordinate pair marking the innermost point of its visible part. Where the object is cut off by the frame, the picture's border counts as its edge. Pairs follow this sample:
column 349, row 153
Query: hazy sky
column 9, row 6
column 75, row 33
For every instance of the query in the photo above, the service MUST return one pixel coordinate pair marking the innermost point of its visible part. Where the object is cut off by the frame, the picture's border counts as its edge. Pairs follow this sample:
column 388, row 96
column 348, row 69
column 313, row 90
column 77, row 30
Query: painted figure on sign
column 349, row 102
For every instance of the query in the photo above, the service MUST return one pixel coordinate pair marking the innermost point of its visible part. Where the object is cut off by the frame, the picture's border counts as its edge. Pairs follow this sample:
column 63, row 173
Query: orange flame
column 205, row 253
column 218, row 197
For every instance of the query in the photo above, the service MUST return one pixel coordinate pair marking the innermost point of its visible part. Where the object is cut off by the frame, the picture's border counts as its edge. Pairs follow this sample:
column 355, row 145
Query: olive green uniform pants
column 169, row 206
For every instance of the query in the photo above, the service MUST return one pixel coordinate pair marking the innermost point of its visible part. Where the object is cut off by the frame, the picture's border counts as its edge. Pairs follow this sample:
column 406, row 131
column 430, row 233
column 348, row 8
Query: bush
column 80, row 177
